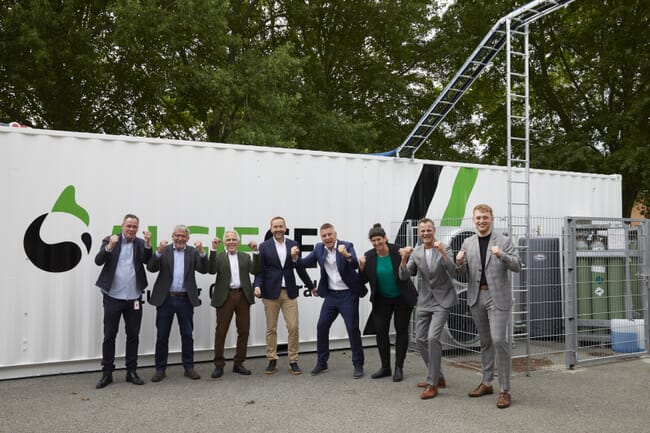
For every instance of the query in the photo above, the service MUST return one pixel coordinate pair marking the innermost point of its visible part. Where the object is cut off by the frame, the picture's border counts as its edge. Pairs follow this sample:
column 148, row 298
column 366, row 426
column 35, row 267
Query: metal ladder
column 489, row 47
column 518, row 146
column 513, row 32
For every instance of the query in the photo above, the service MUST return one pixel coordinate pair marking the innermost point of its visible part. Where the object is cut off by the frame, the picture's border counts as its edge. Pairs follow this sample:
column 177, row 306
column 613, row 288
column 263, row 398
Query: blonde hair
column 483, row 208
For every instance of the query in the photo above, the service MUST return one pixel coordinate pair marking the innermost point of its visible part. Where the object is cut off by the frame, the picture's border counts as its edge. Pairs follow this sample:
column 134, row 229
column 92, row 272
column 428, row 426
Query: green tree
column 52, row 72
column 363, row 70
column 590, row 102
column 591, row 81
column 208, row 69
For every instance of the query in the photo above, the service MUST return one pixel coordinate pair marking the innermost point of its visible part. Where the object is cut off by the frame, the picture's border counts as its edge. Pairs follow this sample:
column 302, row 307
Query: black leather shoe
column 106, row 380
column 192, row 374
column 217, row 373
column 399, row 374
column 132, row 376
column 318, row 369
column 358, row 372
column 272, row 367
column 158, row 376
column 239, row 368
column 382, row 372
column 294, row 369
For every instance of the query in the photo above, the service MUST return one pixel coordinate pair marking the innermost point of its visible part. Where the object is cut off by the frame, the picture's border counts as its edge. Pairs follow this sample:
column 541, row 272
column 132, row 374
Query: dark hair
column 326, row 226
column 130, row 215
column 376, row 230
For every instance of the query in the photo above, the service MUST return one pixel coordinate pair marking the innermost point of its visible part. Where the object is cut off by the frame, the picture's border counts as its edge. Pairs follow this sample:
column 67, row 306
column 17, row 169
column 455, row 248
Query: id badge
column 136, row 304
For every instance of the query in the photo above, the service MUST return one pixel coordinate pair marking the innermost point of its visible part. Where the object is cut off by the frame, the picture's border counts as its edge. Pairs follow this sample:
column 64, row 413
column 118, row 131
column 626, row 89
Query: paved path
column 609, row 397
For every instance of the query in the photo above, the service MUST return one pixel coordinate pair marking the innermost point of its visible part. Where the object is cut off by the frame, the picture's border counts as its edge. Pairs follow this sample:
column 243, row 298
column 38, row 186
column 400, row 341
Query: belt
column 235, row 289
column 178, row 294
column 483, row 287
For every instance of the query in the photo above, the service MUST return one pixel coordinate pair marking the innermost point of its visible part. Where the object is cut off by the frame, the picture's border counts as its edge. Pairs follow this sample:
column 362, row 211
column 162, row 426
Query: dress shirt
column 281, row 248
column 179, row 271
column 334, row 277
column 235, row 282
column 124, row 285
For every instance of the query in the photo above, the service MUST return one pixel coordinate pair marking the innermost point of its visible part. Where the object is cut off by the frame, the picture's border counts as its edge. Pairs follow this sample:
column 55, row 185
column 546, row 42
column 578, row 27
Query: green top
column 386, row 284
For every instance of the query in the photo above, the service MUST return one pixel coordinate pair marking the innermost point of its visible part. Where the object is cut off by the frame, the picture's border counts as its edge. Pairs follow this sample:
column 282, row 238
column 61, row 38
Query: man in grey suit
column 233, row 294
column 433, row 260
column 486, row 258
column 175, row 293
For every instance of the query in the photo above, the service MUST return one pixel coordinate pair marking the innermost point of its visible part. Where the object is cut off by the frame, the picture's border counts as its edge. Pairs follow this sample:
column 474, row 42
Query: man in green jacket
column 233, row 294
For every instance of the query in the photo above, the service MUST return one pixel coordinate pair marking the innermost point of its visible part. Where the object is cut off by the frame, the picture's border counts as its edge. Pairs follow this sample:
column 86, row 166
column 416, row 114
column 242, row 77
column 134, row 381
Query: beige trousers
column 289, row 309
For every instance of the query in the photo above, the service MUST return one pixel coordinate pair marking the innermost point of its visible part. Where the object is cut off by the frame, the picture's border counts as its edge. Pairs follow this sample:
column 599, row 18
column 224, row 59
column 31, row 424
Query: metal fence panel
column 607, row 310
column 582, row 294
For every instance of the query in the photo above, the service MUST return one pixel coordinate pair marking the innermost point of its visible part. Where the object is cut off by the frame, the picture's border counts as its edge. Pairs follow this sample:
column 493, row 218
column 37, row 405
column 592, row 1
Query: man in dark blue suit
column 340, row 286
column 122, row 280
column 275, row 283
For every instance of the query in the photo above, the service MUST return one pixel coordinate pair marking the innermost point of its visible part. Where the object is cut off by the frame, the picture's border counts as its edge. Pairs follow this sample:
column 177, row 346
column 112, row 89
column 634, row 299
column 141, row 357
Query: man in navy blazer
column 340, row 286
column 122, row 281
column 275, row 283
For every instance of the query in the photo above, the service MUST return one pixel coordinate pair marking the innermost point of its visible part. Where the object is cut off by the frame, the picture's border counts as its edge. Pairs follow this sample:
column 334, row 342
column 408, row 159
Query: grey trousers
column 493, row 327
column 428, row 328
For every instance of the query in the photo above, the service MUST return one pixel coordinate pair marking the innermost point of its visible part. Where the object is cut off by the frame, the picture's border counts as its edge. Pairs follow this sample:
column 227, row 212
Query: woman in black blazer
column 390, row 297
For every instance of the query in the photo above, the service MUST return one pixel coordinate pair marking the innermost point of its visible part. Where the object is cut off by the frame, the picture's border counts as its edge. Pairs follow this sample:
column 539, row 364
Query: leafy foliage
column 332, row 75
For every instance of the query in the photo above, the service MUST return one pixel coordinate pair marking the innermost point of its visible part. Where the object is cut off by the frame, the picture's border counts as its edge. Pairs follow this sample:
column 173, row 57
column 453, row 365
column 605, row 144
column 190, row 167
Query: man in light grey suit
column 436, row 295
column 486, row 258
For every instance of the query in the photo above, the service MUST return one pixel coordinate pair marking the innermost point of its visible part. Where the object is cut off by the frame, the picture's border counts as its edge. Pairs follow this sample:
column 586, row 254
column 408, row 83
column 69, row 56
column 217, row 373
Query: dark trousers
column 184, row 311
column 382, row 311
column 346, row 304
column 114, row 309
column 236, row 304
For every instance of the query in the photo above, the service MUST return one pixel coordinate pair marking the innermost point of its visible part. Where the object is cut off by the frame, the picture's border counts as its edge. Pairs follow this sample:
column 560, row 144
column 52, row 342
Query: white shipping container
column 52, row 318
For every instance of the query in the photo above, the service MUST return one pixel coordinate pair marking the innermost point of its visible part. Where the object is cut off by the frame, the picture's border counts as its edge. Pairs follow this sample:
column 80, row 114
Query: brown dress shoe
column 504, row 400
column 441, row 383
column 481, row 390
column 429, row 392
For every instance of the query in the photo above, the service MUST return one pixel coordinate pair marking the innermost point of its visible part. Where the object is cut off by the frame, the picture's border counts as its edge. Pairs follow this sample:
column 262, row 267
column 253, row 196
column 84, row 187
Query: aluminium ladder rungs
column 482, row 55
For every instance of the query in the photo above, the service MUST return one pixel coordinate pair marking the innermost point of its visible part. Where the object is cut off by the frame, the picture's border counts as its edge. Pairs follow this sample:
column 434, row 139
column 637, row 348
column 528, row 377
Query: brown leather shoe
column 504, row 400
column 482, row 390
column 441, row 383
column 429, row 392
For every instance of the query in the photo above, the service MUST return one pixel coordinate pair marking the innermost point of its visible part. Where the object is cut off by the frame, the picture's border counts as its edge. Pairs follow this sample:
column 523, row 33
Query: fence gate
column 607, row 289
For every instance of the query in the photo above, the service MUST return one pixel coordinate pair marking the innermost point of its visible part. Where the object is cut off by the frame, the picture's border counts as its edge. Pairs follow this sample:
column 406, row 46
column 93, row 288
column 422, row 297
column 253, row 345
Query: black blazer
column 165, row 264
column 108, row 260
column 407, row 290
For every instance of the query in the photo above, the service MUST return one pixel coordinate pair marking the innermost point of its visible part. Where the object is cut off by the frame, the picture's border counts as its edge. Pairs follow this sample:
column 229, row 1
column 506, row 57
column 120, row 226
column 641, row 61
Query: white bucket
column 628, row 335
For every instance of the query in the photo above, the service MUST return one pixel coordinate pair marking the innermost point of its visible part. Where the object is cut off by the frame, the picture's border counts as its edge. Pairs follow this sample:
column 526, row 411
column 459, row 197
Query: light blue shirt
column 179, row 271
column 124, row 285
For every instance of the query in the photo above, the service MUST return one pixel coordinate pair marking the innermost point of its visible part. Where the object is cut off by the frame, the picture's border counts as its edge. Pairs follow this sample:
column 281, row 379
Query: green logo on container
column 62, row 256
